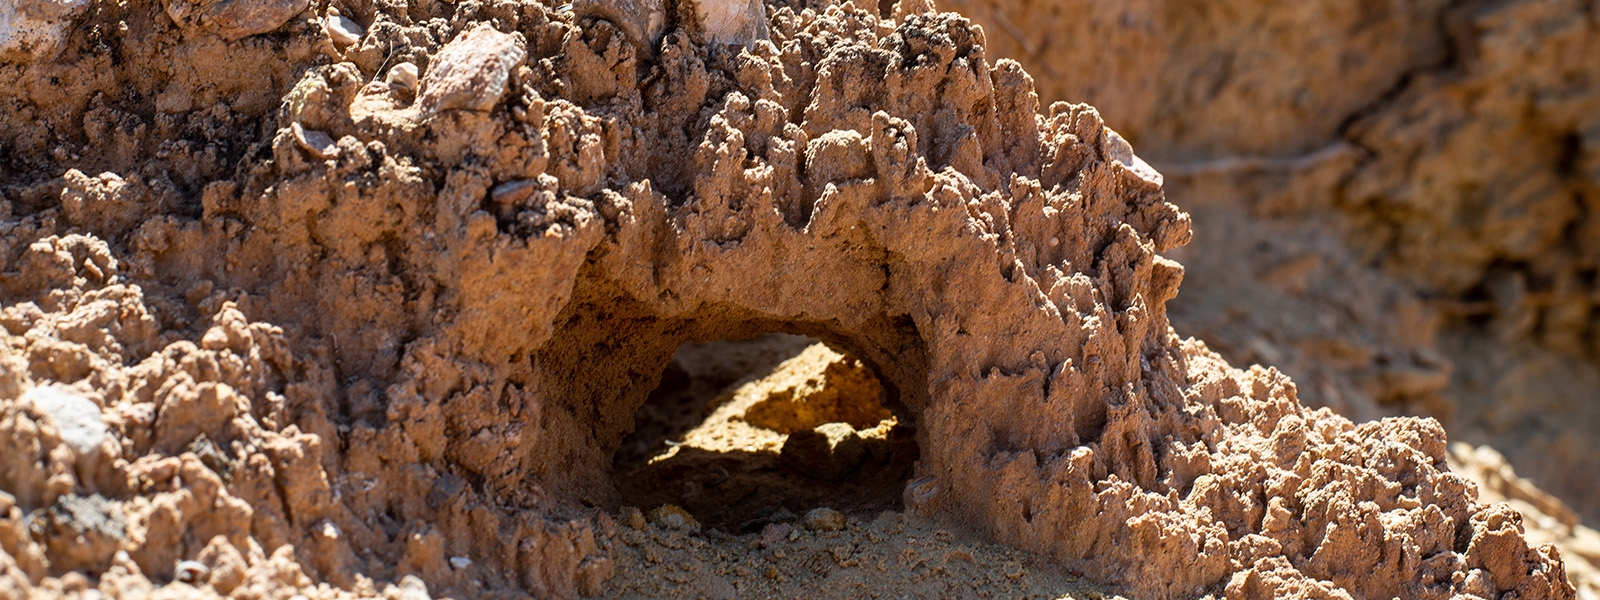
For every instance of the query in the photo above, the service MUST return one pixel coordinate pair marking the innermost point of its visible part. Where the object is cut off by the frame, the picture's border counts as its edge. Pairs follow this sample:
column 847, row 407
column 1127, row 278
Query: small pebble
column 471, row 71
column 190, row 571
column 403, row 75
column 460, row 562
column 734, row 22
column 775, row 532
column 413, row 588
column 512, row 192
column 782, row 515
column 318, row 143
column 341, row 29
column 77, row 418
column 672, row 516
column 824, row 519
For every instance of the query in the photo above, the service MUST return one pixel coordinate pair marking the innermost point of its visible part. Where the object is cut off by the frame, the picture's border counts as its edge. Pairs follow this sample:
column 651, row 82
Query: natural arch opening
column 743, row 433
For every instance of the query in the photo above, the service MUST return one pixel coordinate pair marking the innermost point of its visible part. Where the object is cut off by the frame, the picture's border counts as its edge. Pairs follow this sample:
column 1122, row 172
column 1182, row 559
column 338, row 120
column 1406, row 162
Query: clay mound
column 412, row 320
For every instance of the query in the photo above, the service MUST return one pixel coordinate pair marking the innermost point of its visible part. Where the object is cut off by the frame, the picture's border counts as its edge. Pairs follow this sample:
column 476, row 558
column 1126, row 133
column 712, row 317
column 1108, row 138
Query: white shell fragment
column 733, row 22
column 77, row 418
column 36, row 27
column 318, row 143
column 642, row 21
column 403, row 75
column 190, row 571
column 471, row 72
column 460, row 562
column 341, row 29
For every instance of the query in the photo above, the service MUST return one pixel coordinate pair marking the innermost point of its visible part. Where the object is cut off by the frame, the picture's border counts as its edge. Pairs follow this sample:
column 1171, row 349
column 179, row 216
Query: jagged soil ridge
column 475, row 297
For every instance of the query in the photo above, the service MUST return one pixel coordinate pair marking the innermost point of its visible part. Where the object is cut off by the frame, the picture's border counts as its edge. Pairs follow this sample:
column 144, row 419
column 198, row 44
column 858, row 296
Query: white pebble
column 77, row 418
column 341, row 29
column 413, row 588
column 460, row 562
column 318, row 143
column 403, row 75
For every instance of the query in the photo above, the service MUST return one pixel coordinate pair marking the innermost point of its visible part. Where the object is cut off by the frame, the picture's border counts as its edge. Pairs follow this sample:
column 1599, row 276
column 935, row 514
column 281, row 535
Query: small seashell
column 471, row 72
column 642, row 21
column 190, row 571
column 403, row 75
column 318, row 143
column 341, row 29
column 733, row 22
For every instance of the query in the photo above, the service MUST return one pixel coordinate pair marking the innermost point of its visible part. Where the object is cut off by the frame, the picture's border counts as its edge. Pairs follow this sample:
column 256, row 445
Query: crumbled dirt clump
column 350, row 334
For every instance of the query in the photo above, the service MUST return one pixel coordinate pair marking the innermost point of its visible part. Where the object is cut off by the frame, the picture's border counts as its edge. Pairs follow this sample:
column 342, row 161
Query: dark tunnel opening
column 745, row 433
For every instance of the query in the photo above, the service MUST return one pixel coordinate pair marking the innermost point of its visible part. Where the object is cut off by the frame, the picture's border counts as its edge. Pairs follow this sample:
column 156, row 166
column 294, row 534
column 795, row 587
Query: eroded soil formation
column 1394, row 202
column 363, row 298
column 1444, row 155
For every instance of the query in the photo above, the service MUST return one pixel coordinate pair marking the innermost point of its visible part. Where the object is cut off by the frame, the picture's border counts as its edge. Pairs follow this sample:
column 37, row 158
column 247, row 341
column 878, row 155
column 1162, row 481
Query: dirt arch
column 887, row 187
column 468, row 282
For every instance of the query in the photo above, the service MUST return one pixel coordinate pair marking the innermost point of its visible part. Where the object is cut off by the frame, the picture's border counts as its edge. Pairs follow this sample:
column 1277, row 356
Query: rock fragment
column 774, row 533
column 413, row 588
column 36, row 28
column 403, row 75
column 341, row 29
column 824, row 519
column 318, row 143
column 733, row 22
column 234, row 19
column 471, row 72
column 672, row 516
column 77, row 418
